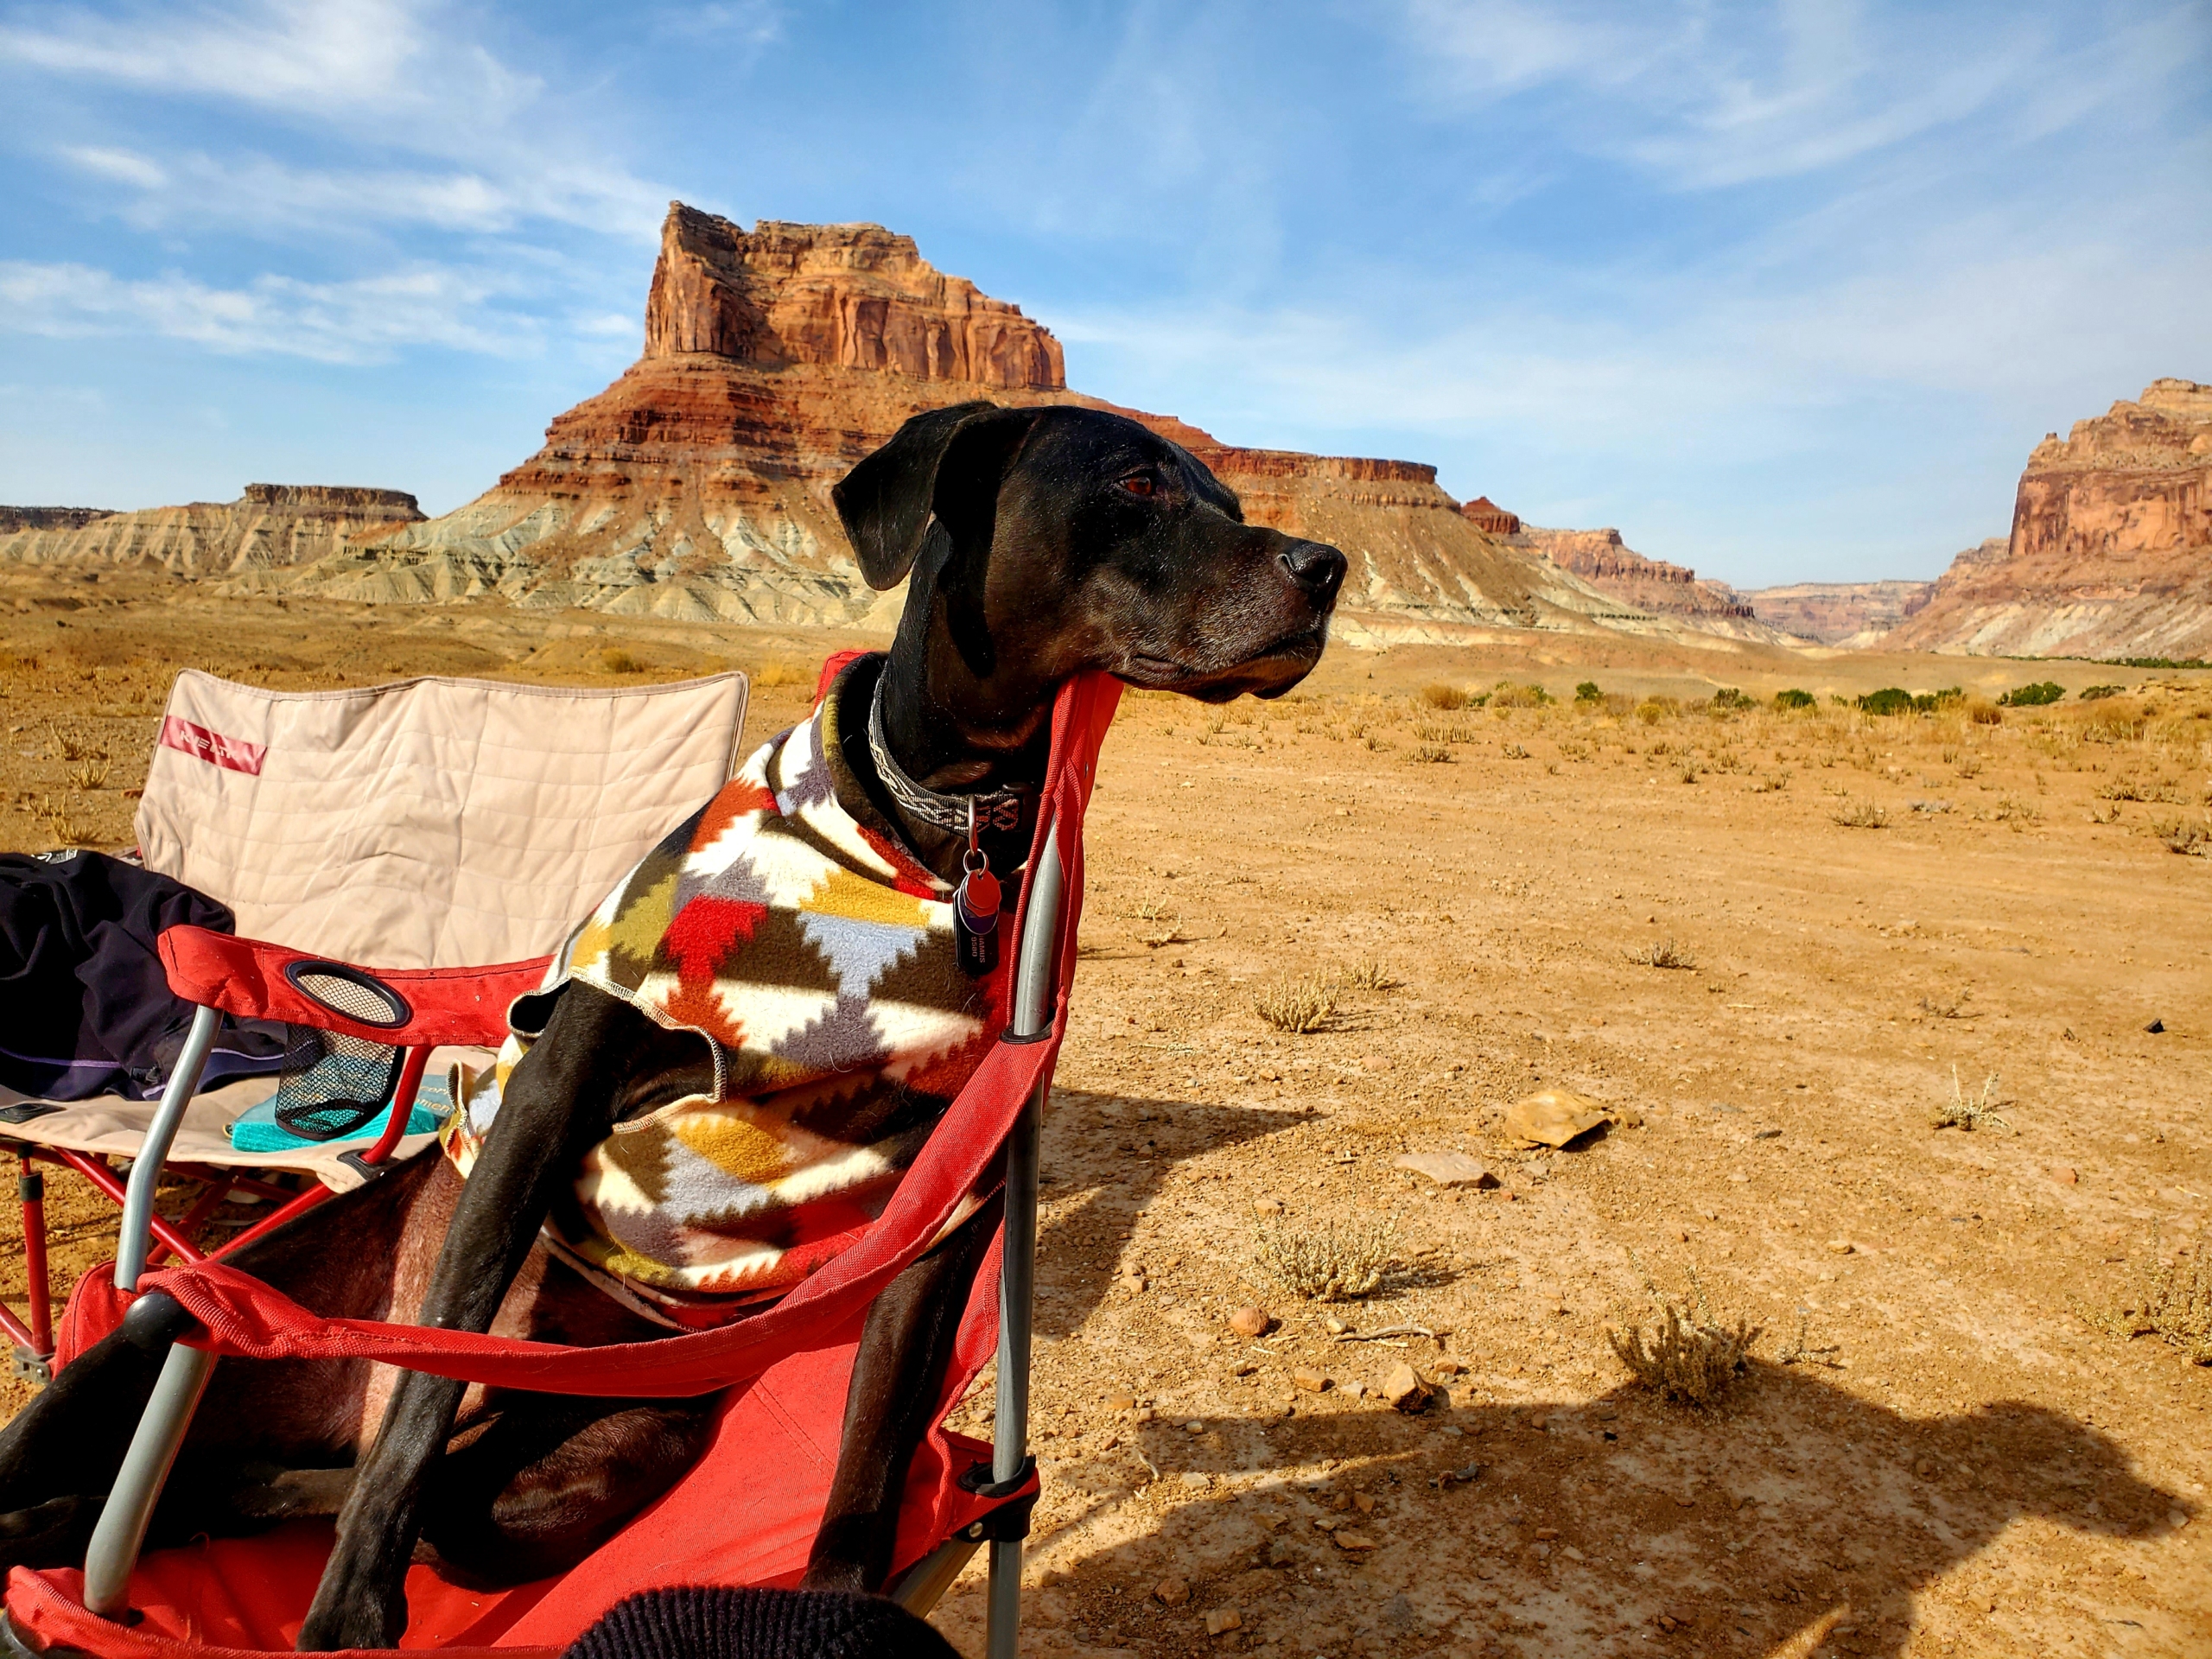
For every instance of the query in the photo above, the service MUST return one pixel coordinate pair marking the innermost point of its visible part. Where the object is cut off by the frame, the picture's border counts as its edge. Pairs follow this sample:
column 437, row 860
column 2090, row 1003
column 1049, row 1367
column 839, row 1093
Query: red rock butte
column 2111, row 549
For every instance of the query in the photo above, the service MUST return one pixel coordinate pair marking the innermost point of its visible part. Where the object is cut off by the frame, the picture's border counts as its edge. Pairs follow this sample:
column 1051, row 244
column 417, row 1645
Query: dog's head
column 1045, row 542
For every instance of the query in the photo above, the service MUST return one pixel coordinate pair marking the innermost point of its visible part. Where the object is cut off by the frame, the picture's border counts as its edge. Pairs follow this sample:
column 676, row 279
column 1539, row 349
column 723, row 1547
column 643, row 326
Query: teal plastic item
column 257, row 1130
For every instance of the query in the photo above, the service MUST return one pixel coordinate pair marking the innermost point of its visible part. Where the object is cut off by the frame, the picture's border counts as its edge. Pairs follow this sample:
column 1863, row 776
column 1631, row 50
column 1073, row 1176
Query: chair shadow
column 1112, row 1152
column 1801, row 1517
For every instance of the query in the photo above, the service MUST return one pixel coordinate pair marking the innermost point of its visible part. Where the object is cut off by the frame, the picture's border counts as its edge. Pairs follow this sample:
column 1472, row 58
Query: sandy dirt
column 1979, row 1466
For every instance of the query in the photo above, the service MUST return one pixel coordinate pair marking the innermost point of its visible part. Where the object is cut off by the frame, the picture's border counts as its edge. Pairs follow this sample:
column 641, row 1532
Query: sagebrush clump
column 1295, row 1005
column 2167, row 1301
column 1690, row 1358
column 1325, row 1262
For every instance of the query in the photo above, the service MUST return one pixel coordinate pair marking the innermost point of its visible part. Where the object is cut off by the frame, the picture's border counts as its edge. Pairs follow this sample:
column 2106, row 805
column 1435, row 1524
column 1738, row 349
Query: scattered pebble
column 1313, row 1382
column 1446, row 1169
column 1842, row 1246
column 2065, row 1176
column 1221, row 1619
column 1172, row 1593
column 1404, row 1388
column 1551, row 1118
column 1251, row 1321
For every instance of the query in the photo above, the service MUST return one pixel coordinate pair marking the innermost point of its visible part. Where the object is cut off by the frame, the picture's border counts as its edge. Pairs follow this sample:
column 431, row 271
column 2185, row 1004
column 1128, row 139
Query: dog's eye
column 1142, row 484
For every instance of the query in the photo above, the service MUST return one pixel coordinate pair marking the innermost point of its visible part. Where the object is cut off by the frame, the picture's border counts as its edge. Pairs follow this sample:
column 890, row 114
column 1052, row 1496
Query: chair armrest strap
column 254, row 980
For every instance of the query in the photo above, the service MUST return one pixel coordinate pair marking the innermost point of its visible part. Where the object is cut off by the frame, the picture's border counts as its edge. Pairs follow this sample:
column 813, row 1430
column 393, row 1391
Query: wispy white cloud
column 381, row 78
column 1704, row 97
column 366, row 320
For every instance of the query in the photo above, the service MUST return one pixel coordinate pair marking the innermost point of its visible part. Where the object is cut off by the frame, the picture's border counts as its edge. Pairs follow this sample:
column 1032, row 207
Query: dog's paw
column 352, row 1615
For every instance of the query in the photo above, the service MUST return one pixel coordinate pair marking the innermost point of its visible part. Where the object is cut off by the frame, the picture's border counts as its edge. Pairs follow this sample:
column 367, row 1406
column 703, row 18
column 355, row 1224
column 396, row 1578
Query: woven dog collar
column 1000, row 809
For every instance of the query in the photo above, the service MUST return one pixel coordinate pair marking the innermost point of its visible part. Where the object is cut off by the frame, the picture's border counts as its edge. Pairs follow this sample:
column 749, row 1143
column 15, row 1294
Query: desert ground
column 1944, row 1441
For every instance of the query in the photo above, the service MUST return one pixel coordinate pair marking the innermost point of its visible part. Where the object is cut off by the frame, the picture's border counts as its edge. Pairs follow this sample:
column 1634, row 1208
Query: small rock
column 1545, row 1534
column 1448, row 1368
column 1251, row 1321
column 1345, row 1539
column 1220, row 1619
column 1133, row 1283
column 1121, row 1403
column 1925, row 1468
column 1452, row 1477
column 1842, row 1246
column 1195, row 1478
column 1172, row 1593
column 2065, row 1176
column 1666, row 1623
column 1242, row 1367
column 1142, row 1414
column 1364, row 1502
column 1404, row 1389
column 2156, row 1027
column 1551, row 1118
column 1766, row 1134
column 1196, row 1426
column 1447, row 1168
column 1268, row 1207
column 1313, row 1382
column 1357, row 1390
column 1374, row 1063
column 1335, row 1327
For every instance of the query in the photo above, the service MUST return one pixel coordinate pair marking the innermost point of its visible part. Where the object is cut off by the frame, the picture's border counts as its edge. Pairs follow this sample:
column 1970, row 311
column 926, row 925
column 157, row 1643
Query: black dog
column 1042, row 542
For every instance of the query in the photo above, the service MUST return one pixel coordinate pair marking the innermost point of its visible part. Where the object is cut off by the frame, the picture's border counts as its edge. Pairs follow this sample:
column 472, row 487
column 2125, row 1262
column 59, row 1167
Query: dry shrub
column 1326, row 1263
column 1690, row 1358
column 769, row 675
column 2010, row 809
column 1652, row 710
column 619, row 661
column 1970, row 1112
column 1982, row 712
column 1519, row 696
column 1295, row 1005
column 1446, row 697
column 1859, row 815
column 2169, row 1303
column 1663, row 953
column 2182, row 836
column 90, row 775
column 1368, row 974
column 1433, row 755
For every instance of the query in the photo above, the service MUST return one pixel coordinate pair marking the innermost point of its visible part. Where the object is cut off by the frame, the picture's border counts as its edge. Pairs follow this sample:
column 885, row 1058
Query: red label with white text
column 234, row 753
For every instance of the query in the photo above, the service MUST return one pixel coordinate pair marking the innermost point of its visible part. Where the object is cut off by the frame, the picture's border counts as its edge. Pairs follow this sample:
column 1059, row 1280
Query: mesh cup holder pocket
column 332, row 1084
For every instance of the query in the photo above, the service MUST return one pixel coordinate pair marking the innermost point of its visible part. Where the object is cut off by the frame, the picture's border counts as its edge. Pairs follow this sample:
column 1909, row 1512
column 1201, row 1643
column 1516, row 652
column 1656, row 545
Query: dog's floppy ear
column 887, row 501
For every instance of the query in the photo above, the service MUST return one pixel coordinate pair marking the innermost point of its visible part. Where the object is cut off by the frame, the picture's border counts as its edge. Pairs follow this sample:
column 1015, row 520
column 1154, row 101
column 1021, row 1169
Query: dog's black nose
column 1318, row 570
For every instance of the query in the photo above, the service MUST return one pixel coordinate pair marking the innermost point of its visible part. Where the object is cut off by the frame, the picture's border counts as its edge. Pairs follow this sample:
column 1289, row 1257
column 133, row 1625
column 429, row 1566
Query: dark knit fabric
column 706, row 1621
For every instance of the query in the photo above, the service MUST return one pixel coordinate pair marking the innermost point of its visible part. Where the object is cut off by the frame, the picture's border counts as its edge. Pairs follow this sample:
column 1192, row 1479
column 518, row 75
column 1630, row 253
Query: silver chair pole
column 1034, row 989
column 161, row 1426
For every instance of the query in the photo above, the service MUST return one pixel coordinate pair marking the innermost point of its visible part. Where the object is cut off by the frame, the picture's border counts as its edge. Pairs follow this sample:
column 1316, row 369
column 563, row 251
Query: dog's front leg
column 558, row 1104
column 905, row 1345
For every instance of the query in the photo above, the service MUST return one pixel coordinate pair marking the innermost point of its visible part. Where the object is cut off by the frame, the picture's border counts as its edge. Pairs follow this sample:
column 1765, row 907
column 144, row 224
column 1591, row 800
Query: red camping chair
column 746, row 1512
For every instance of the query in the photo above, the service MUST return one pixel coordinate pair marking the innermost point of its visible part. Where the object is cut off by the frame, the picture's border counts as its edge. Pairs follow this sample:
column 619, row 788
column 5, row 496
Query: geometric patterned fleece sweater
column 816, row 958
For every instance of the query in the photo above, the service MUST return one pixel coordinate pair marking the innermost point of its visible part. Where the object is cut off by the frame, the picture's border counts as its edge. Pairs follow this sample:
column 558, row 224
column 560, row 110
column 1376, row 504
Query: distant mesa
column 1488, row 517
column 15, row 518
column 2111, row 549
column 1853, row 615
column 269, row 527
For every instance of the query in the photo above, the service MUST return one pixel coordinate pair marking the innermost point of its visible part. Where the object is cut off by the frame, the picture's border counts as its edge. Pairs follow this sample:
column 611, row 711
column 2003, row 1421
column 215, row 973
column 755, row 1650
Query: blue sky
column 1786, row 292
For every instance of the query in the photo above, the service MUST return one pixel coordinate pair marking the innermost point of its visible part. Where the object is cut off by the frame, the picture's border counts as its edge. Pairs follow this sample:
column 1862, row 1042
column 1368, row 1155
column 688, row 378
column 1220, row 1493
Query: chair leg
column 31, row 1186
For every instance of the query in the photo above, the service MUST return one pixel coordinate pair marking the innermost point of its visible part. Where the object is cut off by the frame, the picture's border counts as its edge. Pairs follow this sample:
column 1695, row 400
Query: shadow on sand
column 1800, row 1512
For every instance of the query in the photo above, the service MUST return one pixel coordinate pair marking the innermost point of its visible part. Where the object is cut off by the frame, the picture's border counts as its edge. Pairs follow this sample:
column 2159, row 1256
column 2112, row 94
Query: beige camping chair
column 429, row 824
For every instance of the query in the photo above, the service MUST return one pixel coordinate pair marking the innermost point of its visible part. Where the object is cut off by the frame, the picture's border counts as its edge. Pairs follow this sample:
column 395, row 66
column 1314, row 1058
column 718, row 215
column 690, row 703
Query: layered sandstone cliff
column 270, row 526
column 2111, row 549
column 1601, row 559
column 1852, row 614
column 697, row 485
